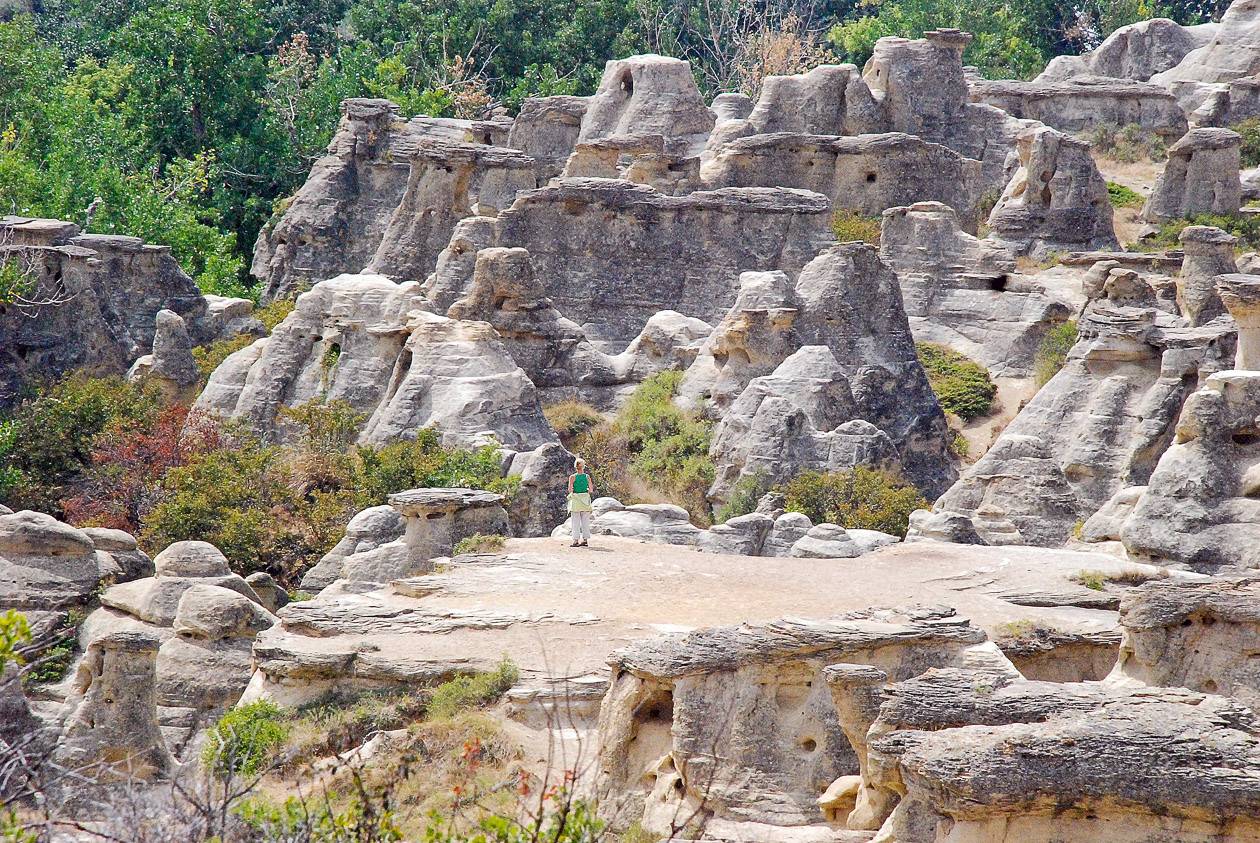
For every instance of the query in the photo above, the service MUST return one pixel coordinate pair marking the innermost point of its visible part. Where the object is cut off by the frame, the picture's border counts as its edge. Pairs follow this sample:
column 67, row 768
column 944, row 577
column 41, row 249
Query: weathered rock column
column 112, row 733
column 1241, row 295
column 1209, row 253
column 1201, row 177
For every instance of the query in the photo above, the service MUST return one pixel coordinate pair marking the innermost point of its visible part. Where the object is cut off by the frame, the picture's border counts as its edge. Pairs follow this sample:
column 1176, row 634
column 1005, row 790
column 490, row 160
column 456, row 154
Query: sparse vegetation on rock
column 864, row 498
column 962, row 385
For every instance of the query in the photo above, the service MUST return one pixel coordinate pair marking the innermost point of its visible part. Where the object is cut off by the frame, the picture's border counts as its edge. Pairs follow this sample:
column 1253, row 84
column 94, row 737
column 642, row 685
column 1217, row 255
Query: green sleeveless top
column 581, row 483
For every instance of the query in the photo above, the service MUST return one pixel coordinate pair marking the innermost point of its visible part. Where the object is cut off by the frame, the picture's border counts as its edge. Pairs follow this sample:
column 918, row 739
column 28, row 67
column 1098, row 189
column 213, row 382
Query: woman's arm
column 571, row 483
column 590, row 485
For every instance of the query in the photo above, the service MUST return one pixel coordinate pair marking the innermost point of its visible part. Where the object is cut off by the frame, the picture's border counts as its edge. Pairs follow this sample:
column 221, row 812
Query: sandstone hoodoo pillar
column 1241, row 294
column 1201, row 177
column 436, row 519
column 112, row 733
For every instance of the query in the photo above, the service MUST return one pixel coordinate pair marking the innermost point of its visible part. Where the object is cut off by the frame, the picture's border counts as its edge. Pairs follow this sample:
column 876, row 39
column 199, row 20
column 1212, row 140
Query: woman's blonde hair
column 579, row 463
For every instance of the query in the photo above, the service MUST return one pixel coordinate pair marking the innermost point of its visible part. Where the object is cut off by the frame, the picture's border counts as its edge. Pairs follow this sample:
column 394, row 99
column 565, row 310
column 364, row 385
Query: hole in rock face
column 870, row 177
column 1246, row 438
column 627, row 83
column 809, row 744
column 678, row 785
column 1209, row 687
column 998, row 284
column 486, row 138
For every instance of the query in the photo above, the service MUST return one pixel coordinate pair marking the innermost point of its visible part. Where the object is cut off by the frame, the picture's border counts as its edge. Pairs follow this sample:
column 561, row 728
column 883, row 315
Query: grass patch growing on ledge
column 962, row 385
column 849, row 225
column 1098, row 580
column 1053, row 350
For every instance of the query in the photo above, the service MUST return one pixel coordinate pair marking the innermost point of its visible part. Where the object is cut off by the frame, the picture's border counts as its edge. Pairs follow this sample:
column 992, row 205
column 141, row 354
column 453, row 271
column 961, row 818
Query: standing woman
column 580, row 491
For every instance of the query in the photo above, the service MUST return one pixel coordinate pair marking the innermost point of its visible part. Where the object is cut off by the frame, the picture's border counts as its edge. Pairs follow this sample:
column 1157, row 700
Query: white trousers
column 580, row 526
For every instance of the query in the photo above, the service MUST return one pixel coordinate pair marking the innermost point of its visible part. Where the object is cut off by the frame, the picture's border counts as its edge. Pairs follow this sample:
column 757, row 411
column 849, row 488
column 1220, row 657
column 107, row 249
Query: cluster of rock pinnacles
column 461, row 275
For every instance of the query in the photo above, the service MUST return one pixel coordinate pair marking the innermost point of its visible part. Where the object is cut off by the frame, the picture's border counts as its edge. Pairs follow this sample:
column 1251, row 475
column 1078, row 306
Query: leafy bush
column 244, row 741
column 863, row 498
column 849, row 225
column 1127, row 144
column 962, row 385
column 424, row 462
column 1053, row 350
column 743, row 498
column 210, row 357
column 57, row 430
column 15, row 632
column 1246, row 227
column 570, row 419
column 669, row 446
column 1250, row 131
column 479, row 543
column 1123, row 197
column 464, row 692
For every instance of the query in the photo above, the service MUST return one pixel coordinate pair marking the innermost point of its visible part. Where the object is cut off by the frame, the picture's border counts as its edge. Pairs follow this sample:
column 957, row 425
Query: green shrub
column 244, row 741
column 422, row 462
column 55, row 431
column 464, row 692
column 962, row 385
column 743, row 499
column 570, row 419
column 1053, row 350
column 1127, row 144
column 849, row 225
column 1123, row 197
column 1250, row 131
column 863, row 499
column 210, row 357
column 1246, row 227
column 15, row 633
column 668, row 446
column 479, row 543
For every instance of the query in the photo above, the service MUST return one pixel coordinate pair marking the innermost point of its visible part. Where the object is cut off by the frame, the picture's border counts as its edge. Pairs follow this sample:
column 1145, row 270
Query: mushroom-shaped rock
column 826, row 541
column 191, row 559
column 1209, row 253
column 212, row 613
column 45, row 564
column 1241, row 295
column 112, row 729
column 121, row 546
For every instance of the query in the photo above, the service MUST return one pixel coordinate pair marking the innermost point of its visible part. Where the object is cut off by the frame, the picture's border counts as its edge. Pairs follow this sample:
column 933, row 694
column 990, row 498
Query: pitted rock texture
column 1192, row 634
column 865, row 173
column 95, row 301
column 685, row 718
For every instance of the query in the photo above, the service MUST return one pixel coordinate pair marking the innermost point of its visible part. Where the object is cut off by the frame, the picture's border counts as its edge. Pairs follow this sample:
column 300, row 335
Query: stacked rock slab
column 94, row 300
column 1201, row 177
column 964, row 292
column 48, row 568
column 1216, row 82
column 1100, row 425
column 1085, row 102
column 202, row 619
column 821, row 373
column 737, row 722
column 973, row 756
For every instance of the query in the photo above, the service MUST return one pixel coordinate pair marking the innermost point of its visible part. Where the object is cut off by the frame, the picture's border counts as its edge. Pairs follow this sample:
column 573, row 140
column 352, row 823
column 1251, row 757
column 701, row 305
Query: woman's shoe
column 583, row 544
column 575, row 544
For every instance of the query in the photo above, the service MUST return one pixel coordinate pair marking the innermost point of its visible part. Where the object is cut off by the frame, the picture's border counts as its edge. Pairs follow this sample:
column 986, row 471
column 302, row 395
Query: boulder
column 191, row 559
column 1201, row 177
column 45, row 564
column 826, row 541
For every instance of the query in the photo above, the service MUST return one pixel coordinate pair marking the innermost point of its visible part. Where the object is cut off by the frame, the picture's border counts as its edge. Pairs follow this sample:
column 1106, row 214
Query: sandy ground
column 559, row 612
